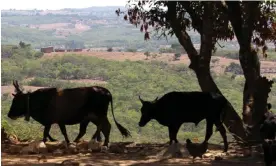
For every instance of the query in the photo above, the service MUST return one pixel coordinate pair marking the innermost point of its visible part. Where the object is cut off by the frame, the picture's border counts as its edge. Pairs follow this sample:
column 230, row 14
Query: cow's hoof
column 53, row 140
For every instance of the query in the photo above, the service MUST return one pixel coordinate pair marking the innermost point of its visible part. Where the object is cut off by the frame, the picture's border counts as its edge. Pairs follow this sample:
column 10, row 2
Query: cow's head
column 267, row 114
column 147, row 111
column 19, row 103
column 268, row 124
column 268, row 129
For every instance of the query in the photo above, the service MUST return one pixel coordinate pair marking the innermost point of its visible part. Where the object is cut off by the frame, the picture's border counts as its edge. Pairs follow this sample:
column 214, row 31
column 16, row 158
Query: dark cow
column 176, row 108
column 269, row 148
column 268, row 124
column 66, row 107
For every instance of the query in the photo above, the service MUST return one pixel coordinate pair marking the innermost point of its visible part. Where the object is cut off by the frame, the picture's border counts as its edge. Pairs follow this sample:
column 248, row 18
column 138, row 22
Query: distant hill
column 93, row 26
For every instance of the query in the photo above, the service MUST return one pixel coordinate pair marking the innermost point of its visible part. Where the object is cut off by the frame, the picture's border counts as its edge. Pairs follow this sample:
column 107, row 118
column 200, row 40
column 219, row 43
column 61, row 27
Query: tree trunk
column 200, row 63
column 256, row 88
column 255, row 94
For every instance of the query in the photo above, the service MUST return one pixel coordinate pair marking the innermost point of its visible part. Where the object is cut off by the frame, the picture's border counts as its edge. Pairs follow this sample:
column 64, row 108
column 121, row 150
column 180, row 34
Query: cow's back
column 72, row 105
column 186, row 106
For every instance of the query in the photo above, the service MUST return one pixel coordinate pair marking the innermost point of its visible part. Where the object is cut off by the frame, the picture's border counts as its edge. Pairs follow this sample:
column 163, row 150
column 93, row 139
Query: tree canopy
column 156, row 14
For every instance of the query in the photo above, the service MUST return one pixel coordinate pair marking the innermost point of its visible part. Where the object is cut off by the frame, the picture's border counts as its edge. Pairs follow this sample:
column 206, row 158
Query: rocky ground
column 86, row 153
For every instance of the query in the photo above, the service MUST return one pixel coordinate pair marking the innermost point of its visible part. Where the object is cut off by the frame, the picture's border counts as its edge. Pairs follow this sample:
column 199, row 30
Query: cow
column 66, row 107
column 176, row 108
column 268, row 124
column 269, row 148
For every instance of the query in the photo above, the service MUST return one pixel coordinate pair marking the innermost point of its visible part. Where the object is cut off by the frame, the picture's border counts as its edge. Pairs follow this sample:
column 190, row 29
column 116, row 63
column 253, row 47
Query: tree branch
column 183, row 37
column 234, row 14
column 207, row 43
column 196, row 21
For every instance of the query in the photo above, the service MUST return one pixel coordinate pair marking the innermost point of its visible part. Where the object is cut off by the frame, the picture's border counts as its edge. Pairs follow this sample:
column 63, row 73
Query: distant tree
column 177, row 56
column 131, row 50
column 74, row 44
column 234, row 68
column 154, row 55
column 110, row 49
column 23, row 45
column 147, row 54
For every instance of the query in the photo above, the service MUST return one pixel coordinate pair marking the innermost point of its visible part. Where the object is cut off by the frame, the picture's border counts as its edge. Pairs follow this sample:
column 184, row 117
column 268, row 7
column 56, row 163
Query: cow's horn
column 141, row 99
column 16, row 86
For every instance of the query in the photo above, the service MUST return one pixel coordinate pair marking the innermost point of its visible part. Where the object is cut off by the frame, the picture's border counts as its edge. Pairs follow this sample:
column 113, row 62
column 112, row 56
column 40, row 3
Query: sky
column 57, row 4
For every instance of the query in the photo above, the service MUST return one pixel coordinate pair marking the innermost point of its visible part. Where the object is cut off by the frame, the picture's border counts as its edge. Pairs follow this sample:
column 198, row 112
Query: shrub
column 110, row 49
column 147, row 54
column 177, row 56
column 131, row 50
column 234, row 68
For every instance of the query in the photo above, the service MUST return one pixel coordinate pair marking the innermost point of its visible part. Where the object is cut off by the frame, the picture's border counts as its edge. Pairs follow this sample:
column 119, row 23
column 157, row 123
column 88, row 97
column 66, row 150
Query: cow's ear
column 142, row 101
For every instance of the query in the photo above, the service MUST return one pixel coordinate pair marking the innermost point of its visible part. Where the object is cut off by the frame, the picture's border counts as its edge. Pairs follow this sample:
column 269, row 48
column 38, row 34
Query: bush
column 166, row 50
column 177, row 56
column 147, row 54
column 234, row 68
column 38, row 54
column 131, row 50
column 110, row 49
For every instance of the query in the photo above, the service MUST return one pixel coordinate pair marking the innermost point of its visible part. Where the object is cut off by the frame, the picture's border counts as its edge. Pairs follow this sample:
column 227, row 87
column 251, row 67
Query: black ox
column 66, row 107
column 268, row 124
column 176, row 108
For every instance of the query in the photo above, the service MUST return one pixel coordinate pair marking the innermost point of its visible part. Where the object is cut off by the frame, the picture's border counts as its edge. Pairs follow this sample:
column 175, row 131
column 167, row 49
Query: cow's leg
column 46, row 132
column 51, row 138
column 209, row 130
column 222, row 131
column 97, row 135
column 63, row 131
column 83, row 127
column 105, row 127
column 173, row 130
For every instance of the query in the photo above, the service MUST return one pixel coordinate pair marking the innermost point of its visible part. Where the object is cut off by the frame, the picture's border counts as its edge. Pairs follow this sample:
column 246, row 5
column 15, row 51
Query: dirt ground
column 127, row 154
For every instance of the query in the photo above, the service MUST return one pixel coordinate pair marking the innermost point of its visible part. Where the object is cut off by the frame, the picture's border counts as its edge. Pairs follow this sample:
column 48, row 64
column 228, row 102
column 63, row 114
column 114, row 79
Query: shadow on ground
column 134, row 155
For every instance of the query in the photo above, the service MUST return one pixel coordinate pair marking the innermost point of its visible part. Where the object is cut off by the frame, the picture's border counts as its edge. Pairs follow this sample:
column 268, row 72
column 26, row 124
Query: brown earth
column 129, row 154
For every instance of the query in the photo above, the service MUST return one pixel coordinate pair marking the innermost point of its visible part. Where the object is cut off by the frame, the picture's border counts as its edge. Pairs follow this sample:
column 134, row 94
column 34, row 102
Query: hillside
column 89, row 27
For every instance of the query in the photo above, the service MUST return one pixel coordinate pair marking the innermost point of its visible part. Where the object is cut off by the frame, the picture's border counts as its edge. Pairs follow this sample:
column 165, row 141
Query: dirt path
column 136, row 155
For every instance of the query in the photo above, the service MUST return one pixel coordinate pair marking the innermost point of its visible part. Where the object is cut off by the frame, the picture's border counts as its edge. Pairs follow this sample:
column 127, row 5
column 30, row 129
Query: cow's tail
column 224, row 105
column 123, row 130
